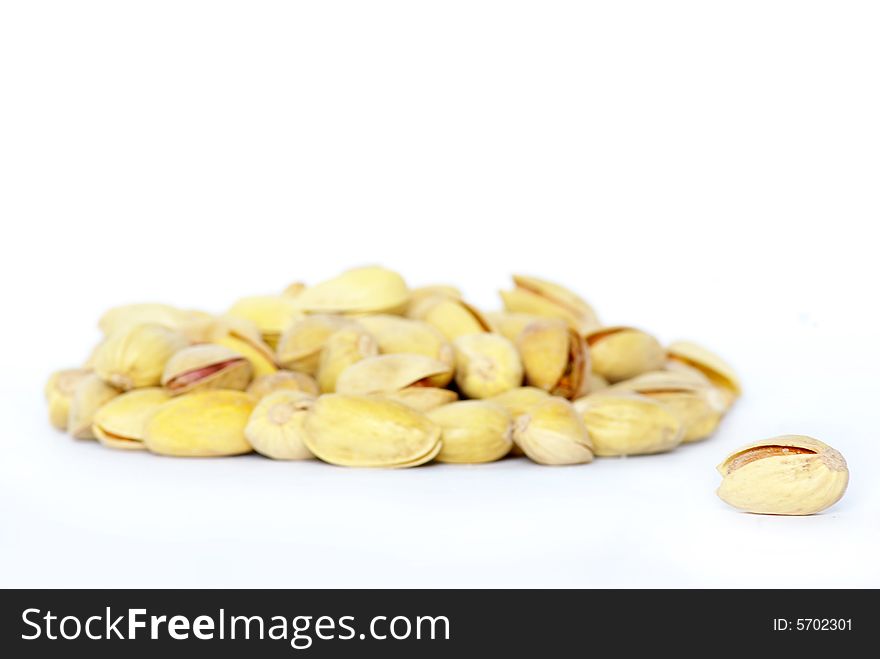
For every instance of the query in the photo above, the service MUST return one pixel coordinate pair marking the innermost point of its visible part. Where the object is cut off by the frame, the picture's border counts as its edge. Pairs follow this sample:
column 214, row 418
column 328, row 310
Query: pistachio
column 369, row 431
column 416, row 295
column 272, row 314
column 394, row 334
column 135, row 356
column 473, row 431
column 90, row 394
column 121, row 422
column 390, row 373
column 543, row 298
column 275, row 428
column 555, row 358
column 243, row 337
column 787, row 475
column 621, row 353
column 59, row 392
column 283, row 381
column 206, row 366
column 361, row 290
column 299, row 348
column 552, row 433
column 510, row 324
column 517, row 401
column 622, row 423
column 130, row 315
column 200, row 424
column 452, row 316
column 709, row 364
column 486, row 365
column 344, row 348
column 422, row 399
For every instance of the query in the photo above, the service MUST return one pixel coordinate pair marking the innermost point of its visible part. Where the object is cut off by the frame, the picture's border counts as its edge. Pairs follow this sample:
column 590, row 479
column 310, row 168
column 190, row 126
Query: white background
column 702, row 169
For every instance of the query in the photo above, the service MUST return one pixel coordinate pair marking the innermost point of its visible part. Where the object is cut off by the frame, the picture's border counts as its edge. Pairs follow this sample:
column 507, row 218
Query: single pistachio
column 510, row 324
column 59, row 392
column 543, row 298
column 517, row 401
column 294, row 289
column 299, row 348
column 243, row 337
column 416, row 295
column 206, row 366
column 361, row 290
column 552, row 433
column 621, row 353
column 709, row 364
column 275, row 428
column 453, row 317
column 130, row 315
column 201, row 424
column 395, row 334
column 283, row 381
column 422, row 399
column 555, row 358
column 473, row 431
column 135, row 356
column 486, row 365
column 121, row 422
column 272, row 314
column 344, row 348
column 90, row 394
column 787, row 475
column 389, row 373
column 624, row 423
column 370, row 431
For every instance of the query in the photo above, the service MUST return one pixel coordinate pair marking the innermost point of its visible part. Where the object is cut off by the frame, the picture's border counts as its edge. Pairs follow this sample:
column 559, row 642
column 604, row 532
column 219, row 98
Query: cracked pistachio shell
column 120, row 423
column 344, row 348
column 622, row 353
column 473, row 431
column 361, row 290
column 90, row 394
column 272, row 314
column 59, row 392
column 283, row 381
column 370, row 431
column 388, row 373
column 709, row 364
column 206, row 366
column 244, row 338
column 544, row 298
column 201, row 424
column 451, row 316
column 422, row 399
column 300, row 347
column 395, row 334
column 517, row 401
column 510, row 324
column 135, row 356
column 555, row 358
column 486, row 365
column 624, row 423
column 787, row 475
column 275, row 428
column 552, row 433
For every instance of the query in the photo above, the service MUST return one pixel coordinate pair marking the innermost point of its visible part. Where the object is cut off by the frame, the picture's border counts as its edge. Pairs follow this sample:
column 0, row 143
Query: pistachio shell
column 394, row 334
column 622, row 423
column 299, row 348
column 201, row 424
column 510, row 324
column 272, row 314
column 787, row 475
column 452, row 317
column 243, row 337
column 206, row 366
column 59, row 392
column 121, row 422
column 473, row 431
column 555, row 358
column 708, row 363
column 90, row 394
column 369, row 431
column 621, row 353
column 361, row 290
column 422, row 399
column 344, row 348
column 135, row 356
column 486, row 365
column 129, row 315
column 390, row 373
column 416, row 295
column 552, row 433
column 275, row 428
column 517, row 401
column 543, row 298
column 283, row 381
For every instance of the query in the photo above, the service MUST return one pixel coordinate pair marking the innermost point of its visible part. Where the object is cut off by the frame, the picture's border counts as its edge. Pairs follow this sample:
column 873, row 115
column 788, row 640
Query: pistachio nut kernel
column 343, row 348
column 510, row 324
column 552, row 433
column 390, row 373
column 59, row 392
column 135, row 356
column 121, row 422
column 206, row 366
column 422, row 399
column 787, row 475
column 90, row 394
column 473, row 431
column 395, row 334
column 486, row 365
column 272, row 314
column 370, row 431
column 243, row 337
column 283, row 381
column 453, row 317
column 275, row 428
column 544, row 298
column 555, row 358
column 621, row 353
column 360, row 290
column 623, row 423
column 300, row 347
column 709, row 364
column 201, row 424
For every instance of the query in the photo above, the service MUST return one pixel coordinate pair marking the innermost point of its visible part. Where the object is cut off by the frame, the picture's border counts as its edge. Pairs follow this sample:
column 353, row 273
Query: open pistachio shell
column 272, row 314
column 275, row 428
column 623, row 423
column 552, row 433
column 90, row 394
column 206, row 366
column 510, row 324
column 473, row 431
column 544, row 298
column 59, row 392
column 555, row 358
column 395, row 334
column 711, row 365
column 369, row 431
column 621, row 353
column 130, row 315
column 486, row 365
column 422, row 399
column 135, row 356
column 453, row 317
column 201, row 424
column 361, row 290
column 300, row 347
column 344, row 348
column 121, row 422
column 390, row 373
column 244, row 338
column 283, row 381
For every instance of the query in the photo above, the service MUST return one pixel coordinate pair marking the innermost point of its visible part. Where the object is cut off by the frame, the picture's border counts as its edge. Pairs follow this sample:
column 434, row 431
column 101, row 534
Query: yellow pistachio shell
column 361, row 290
column 544, row 298
column 90, row 394
column 486, row 365
column 422, row 399
column 283, row 381
column 622, row 423
column 473, row 431
column 272, row 314
column 395, row 334
column 275, row 428
column 206, row 366
column 121, row 422
column 59, row 391
column 555, row 358
column 135, row 356
column 711, row 365
column 451, row 316
column 621, row 353
column 344, row 348
column 510, row 324
column 552, row 433
column 389, row 373
column 243, row 337
column 300, row 347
